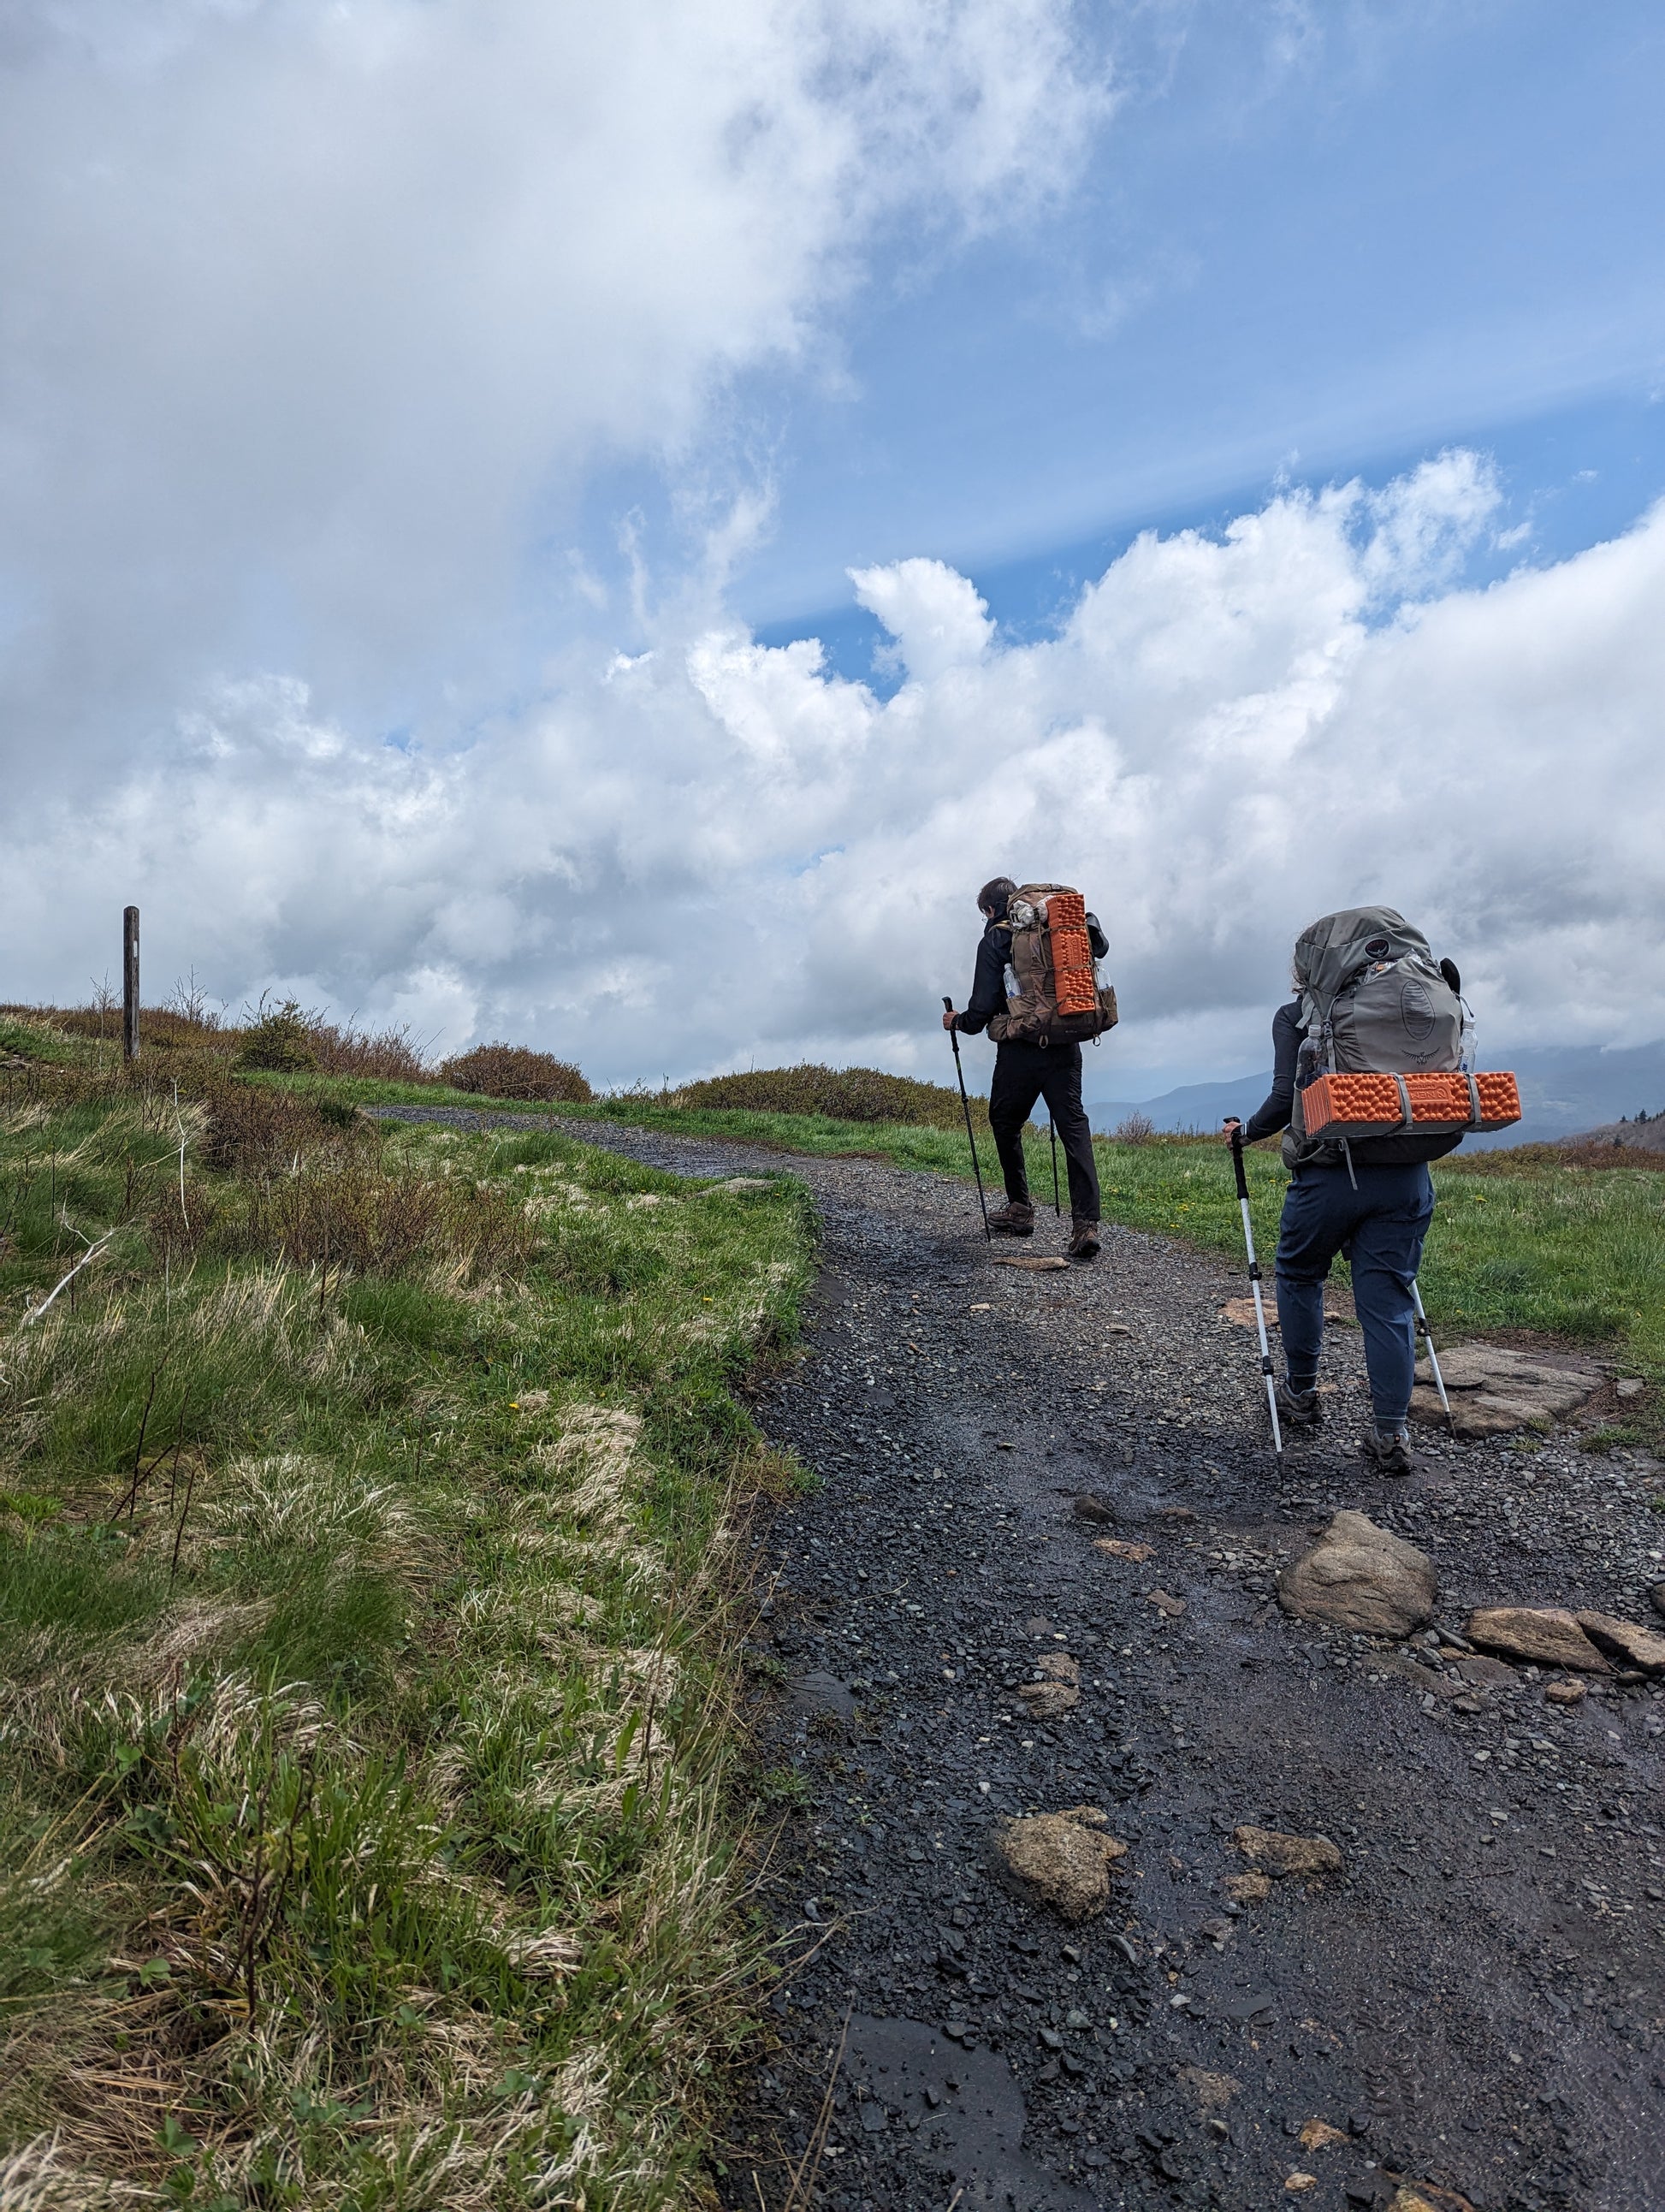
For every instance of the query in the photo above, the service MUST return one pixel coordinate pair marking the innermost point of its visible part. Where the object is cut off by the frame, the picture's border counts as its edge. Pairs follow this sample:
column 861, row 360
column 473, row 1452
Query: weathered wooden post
column 130, row 984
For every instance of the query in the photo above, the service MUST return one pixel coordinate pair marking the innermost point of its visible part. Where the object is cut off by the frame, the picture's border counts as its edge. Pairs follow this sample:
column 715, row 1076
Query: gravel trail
column 1475, row 2002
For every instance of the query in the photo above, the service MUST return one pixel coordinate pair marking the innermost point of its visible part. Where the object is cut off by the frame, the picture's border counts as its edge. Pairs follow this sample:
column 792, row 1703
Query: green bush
column 279, row 1038
column 842, row 1094
column 514, row 1071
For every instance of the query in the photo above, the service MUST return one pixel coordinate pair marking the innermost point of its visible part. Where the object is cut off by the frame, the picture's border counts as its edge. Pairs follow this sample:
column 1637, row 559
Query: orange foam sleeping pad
column 1368, row 1105
column 1073, row 983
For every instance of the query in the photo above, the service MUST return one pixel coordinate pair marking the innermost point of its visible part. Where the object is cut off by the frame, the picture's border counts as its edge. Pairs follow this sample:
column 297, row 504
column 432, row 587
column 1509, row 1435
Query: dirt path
column 1476, row 2001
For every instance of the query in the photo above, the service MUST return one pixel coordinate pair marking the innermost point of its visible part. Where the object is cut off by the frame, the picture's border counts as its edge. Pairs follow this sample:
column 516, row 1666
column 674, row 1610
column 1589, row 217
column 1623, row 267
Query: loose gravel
column 1475, row 2002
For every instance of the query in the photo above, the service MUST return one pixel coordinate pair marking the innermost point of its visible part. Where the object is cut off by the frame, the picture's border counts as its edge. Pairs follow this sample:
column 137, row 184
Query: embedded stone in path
column 1361, row 1577
column 1247, row 1888
column 1089, row 1508
column 1493, row 1390
column 1547, row 1635
column 1057, row 1689
column 1064, row 1859
column 1034, row 1266
column 1281, row 1854
column 1122, row 1548
column 1624, row 1640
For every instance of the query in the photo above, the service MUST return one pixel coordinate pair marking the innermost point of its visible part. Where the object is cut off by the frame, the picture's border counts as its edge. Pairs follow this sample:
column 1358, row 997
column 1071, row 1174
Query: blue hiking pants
column 1378, row 1228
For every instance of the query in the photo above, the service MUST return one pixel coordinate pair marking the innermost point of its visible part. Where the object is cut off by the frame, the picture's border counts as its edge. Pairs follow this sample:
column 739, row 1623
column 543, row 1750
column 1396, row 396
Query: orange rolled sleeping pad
column 1360, row 1104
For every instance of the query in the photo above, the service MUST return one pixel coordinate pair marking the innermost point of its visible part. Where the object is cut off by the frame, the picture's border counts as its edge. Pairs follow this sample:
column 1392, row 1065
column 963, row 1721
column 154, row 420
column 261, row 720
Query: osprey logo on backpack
column 1053, row 995
column 1417, row 1010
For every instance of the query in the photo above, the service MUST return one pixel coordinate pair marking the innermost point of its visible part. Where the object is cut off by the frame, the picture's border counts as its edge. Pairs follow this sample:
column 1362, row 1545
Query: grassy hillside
column 369, row 1807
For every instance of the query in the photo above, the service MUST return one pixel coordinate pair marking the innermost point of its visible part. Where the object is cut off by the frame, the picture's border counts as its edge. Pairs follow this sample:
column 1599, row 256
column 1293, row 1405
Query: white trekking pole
column 1427, row 1336
column 1254, row 1286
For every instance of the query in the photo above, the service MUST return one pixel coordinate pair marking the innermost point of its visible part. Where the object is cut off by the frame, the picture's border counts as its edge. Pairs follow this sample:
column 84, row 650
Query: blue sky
column 432, row 431
column 1316, row 254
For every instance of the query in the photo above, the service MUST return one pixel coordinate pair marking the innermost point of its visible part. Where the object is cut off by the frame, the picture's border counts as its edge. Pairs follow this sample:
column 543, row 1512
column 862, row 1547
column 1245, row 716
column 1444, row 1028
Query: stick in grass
column 184, row 1515
column 93, row 1252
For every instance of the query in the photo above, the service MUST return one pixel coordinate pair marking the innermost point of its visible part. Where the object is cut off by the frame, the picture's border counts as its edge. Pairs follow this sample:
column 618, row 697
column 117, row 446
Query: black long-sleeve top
column 988, row 982
column 1288, row 1037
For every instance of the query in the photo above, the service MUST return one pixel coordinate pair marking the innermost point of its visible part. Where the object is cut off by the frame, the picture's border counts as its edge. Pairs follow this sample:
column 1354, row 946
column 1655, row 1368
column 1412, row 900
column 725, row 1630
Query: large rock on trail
column 1624, row 1640
column 1493, row 1390
column 1545, row 1635
column 1361, row 1577
column 1062, row 1858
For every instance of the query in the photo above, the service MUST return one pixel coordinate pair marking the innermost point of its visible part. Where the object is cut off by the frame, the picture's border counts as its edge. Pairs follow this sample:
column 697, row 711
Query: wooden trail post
column 130, row 984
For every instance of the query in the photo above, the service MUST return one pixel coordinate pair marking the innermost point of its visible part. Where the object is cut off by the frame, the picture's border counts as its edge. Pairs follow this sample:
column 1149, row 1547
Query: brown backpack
column 1053, row 995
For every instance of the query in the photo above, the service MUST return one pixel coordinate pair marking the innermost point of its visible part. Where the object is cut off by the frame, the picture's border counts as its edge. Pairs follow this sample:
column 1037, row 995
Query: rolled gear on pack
column 1053, row 995
column 1383, row 1075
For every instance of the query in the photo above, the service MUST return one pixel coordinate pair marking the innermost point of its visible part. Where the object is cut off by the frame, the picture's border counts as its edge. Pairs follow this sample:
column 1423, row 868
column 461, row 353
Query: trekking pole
column 1427, row 1336
column 976, row 1165
column 1052, row 1132
column 1254, row 1286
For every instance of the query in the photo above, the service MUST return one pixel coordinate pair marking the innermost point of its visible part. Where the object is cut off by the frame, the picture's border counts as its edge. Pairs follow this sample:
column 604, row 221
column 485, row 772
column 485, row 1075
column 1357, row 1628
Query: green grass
column 1572, row 1252
column 370, row 1813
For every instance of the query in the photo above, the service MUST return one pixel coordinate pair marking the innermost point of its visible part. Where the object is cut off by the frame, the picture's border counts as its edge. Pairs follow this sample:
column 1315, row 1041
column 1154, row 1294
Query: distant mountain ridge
column 1564, row 1090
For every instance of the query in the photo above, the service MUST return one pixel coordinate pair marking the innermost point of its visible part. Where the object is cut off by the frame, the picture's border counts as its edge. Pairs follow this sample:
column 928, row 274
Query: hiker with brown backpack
column 1369, row 1085
column 1036, row 992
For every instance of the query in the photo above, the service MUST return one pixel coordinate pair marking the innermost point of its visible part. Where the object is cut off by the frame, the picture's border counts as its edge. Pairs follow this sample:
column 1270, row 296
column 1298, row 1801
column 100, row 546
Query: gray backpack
column 1373, row 998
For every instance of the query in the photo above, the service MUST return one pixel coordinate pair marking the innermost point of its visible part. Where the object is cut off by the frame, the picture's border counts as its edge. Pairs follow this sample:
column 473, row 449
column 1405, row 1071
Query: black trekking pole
column 1057, row 1204
column 1254, row 1286
column 976, row 1165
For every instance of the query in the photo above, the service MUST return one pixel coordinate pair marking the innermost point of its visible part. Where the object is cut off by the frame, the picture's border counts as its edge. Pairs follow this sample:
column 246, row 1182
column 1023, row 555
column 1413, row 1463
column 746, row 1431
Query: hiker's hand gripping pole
column 1427, row 1336
column 1254, row 1286
column 976, row 1165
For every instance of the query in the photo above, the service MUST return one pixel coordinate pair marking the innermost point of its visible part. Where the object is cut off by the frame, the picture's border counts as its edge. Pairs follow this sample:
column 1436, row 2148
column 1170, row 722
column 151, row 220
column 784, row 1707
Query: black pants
column 1023, row 1074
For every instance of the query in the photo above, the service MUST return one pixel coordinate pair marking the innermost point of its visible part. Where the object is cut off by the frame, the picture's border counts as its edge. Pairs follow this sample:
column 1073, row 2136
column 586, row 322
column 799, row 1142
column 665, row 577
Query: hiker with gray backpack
column 1036, row 992
column 1372, row 1044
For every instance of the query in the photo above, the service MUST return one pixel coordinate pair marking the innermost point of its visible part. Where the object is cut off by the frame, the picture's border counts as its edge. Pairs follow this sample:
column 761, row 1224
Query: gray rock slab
column 1493, row 1390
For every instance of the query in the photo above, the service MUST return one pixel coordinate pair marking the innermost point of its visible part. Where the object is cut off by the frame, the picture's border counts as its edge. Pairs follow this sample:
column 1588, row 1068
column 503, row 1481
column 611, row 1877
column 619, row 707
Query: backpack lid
column 1337, row 945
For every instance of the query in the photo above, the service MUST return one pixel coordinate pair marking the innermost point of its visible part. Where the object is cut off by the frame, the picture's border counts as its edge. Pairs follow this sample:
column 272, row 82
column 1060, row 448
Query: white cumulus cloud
column 717, row 852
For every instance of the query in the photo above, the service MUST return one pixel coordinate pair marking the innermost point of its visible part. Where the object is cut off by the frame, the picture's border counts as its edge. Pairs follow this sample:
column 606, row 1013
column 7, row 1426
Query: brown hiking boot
column 1012, row 1219
column 1083, row 1239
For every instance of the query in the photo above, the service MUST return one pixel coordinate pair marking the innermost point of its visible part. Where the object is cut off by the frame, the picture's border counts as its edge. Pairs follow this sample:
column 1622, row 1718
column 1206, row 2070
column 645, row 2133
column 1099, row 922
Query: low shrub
column 514, row 1071
column 347, row 1212
column 250, row 1129
column 279, row 1038
column 389, row 1055
column 842, row 1094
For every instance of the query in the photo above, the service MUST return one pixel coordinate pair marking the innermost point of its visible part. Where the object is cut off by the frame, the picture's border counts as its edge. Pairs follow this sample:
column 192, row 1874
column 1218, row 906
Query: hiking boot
column 1298, row 1409
column 1388, row 1451
column 1083, row 1239
column 1012, row 1219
